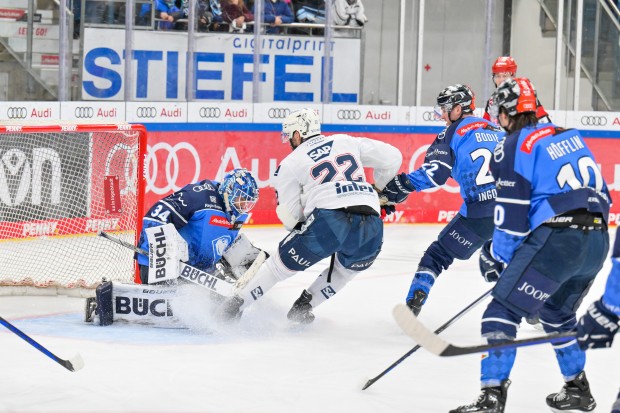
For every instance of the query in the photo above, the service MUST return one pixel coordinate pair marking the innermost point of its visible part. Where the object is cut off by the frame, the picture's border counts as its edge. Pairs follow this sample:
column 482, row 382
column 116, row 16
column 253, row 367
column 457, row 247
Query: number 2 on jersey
column 344, row 164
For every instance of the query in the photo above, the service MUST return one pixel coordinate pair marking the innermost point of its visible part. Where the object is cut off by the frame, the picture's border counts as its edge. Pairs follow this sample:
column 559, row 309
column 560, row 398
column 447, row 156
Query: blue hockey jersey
column 540, row 172
column 197, row 211
column 611, row 297
column 463, row 151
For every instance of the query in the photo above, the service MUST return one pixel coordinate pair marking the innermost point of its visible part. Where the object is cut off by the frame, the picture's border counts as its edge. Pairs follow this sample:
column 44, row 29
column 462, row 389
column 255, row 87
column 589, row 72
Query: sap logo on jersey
column 319, row 153
column 142, row 306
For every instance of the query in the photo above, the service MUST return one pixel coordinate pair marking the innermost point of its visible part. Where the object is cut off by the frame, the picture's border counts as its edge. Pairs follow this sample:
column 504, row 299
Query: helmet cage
column 239, row 191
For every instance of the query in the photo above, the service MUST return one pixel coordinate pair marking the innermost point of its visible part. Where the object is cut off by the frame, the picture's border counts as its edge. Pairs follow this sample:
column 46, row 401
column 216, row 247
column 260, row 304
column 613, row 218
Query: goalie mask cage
column 59, row 186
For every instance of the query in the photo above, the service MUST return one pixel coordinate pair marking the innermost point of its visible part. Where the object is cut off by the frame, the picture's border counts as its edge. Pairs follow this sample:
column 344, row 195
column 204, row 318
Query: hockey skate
column 230, row 309
column 575, row 396
column 491, row 400
column 301, row 312
column 90, row 309
column 416, row 303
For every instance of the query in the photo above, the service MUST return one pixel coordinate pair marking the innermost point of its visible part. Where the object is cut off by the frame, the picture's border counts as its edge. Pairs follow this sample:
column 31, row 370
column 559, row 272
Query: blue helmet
column 239, row 191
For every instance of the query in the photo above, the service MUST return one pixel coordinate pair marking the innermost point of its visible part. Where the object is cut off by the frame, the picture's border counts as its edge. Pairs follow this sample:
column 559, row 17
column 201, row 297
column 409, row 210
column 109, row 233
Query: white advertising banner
column 291, row 67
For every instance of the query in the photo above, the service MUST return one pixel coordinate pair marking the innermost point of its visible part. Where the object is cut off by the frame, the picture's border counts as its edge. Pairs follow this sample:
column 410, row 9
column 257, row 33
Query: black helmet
column 456, row 95
column 515, row 96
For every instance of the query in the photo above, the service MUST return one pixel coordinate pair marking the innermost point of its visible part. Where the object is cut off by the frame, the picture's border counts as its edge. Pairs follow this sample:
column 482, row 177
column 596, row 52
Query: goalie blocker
column 152, row 304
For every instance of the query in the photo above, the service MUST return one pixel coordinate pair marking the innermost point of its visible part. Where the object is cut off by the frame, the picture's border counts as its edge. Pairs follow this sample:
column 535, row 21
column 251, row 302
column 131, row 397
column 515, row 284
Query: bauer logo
column 142, row 306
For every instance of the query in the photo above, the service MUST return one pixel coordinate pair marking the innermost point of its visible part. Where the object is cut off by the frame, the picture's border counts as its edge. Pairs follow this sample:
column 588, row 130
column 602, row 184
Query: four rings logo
column 84, row 112
column 209, row 112
column 17, row 112
column 278, row 113
column 593, row 120
column 347, row 114
column 430, row 115
column 146, row 112
column 165, row 156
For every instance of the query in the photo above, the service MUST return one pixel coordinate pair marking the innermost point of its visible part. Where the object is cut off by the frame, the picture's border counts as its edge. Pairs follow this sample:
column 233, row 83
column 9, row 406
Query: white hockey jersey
column 328, row 172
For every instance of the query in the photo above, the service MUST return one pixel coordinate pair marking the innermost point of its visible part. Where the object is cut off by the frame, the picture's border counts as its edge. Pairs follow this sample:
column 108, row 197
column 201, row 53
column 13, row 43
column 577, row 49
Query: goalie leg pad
column 103, row 295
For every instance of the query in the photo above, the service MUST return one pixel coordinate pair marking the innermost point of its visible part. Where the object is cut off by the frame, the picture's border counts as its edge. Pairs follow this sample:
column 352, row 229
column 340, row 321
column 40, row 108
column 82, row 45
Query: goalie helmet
column 515, row 96
column 239, row 191
column 304, row 121
column 504, row 64
column 454, row 95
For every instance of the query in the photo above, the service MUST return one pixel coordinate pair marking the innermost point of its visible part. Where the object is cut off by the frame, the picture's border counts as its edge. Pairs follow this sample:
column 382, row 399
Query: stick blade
column 411, row 326
column 75, row 363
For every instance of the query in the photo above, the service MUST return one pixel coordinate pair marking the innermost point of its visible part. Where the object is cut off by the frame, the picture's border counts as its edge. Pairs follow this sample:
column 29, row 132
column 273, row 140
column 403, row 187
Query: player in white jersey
column 326, row 202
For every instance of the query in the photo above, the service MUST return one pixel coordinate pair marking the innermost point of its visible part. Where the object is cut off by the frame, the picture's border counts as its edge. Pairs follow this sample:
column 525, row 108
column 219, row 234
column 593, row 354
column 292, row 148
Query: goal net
column 59, row 186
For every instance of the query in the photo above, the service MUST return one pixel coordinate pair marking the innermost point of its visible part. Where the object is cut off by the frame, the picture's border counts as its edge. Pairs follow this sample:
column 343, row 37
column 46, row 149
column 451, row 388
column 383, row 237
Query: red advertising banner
column 175, row 159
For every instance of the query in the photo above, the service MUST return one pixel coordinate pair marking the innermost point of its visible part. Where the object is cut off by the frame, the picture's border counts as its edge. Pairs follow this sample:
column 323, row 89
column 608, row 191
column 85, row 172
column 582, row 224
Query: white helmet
column 304, row 121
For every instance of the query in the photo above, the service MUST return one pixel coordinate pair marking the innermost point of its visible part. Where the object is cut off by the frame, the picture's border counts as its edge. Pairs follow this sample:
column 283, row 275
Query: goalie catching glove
column 398, row 189
column 490, row 268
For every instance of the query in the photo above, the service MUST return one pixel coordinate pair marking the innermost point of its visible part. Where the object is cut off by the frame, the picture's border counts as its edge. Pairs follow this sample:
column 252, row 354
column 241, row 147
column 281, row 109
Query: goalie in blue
column 463, row 151
column 549, row 243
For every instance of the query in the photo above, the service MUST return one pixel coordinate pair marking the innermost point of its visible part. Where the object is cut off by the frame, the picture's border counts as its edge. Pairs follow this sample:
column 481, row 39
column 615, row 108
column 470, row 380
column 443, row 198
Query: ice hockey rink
column 263, row 364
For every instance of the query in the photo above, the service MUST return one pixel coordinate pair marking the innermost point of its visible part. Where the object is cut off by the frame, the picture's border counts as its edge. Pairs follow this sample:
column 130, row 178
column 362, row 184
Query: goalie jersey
column 328, row 172
column 541, row 172
column 197, row 211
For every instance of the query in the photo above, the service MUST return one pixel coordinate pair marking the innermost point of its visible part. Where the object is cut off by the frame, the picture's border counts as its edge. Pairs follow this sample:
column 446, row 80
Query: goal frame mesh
column 80, row 289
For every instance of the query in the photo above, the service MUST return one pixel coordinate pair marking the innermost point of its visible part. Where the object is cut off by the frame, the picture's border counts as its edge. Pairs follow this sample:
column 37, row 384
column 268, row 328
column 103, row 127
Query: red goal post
column 59, row 186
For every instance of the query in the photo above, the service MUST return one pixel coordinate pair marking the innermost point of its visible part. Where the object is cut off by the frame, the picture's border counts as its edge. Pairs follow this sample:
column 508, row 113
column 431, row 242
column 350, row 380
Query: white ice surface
column 265, row 365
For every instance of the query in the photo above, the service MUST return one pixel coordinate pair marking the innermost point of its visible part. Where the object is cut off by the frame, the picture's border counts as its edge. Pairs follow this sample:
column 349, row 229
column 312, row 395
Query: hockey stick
column 440, row 347
column 73, row 364
column 439, row 330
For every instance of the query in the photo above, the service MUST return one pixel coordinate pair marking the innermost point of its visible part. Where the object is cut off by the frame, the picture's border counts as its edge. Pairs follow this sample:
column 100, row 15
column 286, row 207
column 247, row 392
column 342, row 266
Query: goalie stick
column 439, row 330
column 440, row 347
column 73, row 364
column 196, row 276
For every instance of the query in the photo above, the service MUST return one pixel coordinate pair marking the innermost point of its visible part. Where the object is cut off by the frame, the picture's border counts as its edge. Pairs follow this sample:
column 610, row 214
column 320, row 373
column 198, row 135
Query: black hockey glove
column 398, row 189
column 490, row 268
column 597, row 327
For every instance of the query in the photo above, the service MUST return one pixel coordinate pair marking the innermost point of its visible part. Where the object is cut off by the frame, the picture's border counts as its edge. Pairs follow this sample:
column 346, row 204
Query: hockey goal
column 59, row 186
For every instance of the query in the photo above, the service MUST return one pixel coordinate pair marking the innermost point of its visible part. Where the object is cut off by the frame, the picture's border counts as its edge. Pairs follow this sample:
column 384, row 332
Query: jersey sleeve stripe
column 513, row 201
column 174, row 210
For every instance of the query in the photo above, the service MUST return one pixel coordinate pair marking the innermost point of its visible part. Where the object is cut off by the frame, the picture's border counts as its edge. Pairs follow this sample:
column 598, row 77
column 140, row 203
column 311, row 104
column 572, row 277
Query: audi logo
column 83, row 112
column 278, row 113
column 593, row 120
column 430, row 115
column 345, row 114
column 171, row 167
column 146, row 112
column 17, row 112
column 209, row 112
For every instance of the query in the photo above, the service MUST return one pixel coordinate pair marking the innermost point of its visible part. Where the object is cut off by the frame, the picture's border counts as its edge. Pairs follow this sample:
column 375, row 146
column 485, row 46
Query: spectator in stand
column 237, row 14
column 167, row 11
column 277, row 12
column 348, row 13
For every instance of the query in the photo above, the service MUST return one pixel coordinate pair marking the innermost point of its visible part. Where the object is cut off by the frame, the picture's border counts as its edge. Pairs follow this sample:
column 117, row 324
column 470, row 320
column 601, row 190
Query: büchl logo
column 164, row 156
column 593, row 120
column 278, row 113
column 349, row 114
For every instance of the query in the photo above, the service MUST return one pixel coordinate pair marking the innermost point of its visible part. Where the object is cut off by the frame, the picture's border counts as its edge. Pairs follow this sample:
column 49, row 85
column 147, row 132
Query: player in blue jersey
column 550, row 241
column 463, row 151
column 207, row 214
column 599, row 325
